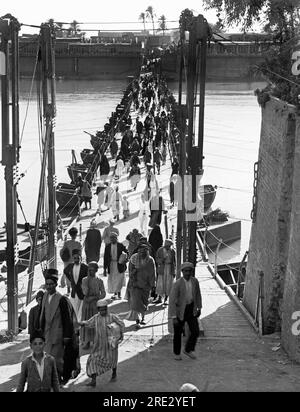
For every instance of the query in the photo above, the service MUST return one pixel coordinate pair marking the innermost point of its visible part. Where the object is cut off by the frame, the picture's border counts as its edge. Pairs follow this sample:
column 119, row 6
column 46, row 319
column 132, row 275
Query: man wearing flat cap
column 185, row 306
column 56, row 321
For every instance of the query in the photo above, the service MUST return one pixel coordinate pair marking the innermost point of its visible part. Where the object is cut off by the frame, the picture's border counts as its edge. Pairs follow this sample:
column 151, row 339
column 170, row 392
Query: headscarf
column 136, row 259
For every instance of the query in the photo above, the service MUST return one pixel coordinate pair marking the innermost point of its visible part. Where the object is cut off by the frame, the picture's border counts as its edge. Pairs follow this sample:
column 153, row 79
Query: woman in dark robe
column 92, row 243
column 155, row 239
column 104, row 168
column 134, row 176
column 114, row 148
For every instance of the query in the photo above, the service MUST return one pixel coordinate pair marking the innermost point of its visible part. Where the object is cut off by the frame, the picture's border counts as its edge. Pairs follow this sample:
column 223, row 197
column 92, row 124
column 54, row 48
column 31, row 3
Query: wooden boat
column 24, row 232
column 66, row 196
column 87, row 156
column 209, row 196
column 76, row 169
column 97, row 141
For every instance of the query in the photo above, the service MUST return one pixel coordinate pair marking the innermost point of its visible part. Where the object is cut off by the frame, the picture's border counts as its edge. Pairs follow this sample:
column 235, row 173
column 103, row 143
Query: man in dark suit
column 75, row 272
column 114, row 265
column 56, row 321
column 185, row 305
column 34, row 314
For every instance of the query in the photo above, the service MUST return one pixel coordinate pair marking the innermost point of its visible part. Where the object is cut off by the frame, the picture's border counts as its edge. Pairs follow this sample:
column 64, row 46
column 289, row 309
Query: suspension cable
column 30, row 93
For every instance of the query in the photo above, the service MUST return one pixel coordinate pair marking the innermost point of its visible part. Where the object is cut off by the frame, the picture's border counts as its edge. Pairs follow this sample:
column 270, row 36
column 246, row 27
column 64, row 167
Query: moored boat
column 87, row 156
column 66, row 196
column 76, row 169
column 209, row 196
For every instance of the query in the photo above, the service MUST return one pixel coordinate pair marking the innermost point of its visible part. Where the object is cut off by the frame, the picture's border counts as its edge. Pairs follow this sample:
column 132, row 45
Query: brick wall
column 291, row 295
column 269, row 248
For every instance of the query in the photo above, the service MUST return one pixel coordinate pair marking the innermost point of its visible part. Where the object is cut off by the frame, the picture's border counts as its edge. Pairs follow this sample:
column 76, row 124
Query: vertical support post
column 10, row 157
column 198, row 33
column 203, row 51
column 32, row 260
column 259, row 312
column 216, row 257
column 238, row 288
column 180, row 74
column 191, row 76
column 166, row 226
column 191, row 100
column 49, row 113
column 47, row 75
column 181, row 233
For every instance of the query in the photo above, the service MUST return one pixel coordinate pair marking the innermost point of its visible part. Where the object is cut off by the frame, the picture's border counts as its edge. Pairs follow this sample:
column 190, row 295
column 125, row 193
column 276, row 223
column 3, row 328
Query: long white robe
column 144, row 217
column 116, row 280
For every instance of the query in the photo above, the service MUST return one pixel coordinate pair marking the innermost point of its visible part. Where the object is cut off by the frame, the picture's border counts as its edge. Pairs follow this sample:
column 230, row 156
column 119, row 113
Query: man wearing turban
column 56, row 321
column 185, row 306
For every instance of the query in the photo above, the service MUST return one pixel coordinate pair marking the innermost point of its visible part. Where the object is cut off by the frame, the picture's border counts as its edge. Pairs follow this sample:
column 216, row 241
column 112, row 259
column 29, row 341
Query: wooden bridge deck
column 220, row 316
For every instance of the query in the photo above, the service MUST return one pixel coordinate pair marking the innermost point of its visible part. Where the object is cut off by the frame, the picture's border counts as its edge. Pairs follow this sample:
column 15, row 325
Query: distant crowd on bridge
column 59, row 324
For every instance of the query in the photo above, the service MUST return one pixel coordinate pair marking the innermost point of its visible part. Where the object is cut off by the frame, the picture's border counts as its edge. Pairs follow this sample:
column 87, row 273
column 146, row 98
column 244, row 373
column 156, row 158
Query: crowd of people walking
column 59, row 323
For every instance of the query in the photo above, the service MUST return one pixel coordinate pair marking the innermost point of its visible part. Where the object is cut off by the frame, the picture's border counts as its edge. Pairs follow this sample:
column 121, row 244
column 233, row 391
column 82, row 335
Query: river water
column 231, row 140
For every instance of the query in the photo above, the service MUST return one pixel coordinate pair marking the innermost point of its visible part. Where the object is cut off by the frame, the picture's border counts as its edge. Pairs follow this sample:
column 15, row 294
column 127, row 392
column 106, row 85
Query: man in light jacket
column 185, row 306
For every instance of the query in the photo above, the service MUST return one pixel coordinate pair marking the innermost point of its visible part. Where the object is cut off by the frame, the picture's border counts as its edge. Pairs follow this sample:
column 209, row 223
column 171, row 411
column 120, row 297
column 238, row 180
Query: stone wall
column 219, row 67
column 85, row 67
column 269, row 247
column 290, row 335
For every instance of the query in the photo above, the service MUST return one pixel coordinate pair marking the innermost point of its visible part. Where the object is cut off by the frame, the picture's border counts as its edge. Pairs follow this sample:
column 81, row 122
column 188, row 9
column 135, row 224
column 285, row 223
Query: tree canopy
column 142, row 17
column 162, row 23
column 279, row 17
column 150, row 14
column 185, row 20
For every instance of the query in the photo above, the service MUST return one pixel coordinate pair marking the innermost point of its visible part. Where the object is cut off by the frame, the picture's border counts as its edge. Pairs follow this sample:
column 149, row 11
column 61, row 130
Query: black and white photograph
column 150, row 199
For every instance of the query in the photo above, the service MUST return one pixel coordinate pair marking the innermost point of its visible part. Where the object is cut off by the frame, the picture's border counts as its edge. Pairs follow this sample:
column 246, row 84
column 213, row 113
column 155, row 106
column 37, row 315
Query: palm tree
column 74, row 28
column 150, row 15
column 143, row 18
column 56, row 27
column 162, row 23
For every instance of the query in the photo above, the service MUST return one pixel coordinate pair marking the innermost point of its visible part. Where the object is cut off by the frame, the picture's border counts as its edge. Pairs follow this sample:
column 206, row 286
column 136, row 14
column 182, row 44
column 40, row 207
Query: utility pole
column 47, row 71
column 181, row 239
column 9, row 28
column 49, row 106
column 198, row 35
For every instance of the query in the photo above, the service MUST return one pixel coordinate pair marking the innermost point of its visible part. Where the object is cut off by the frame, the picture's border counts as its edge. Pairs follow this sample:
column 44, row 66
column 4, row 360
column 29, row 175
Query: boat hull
column 209, row 196
column 87, row 156
column 66, row 196
column 75, row 170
